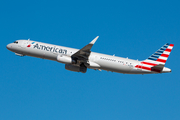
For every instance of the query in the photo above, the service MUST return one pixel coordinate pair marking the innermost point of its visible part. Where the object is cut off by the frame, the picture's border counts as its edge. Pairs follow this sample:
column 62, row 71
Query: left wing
column 83, row 54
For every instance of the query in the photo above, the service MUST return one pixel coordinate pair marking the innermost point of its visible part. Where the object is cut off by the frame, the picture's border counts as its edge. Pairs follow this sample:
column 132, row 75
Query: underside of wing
column 83, row 54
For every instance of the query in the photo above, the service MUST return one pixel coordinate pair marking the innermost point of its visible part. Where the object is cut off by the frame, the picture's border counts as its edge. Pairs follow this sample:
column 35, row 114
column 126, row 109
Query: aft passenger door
column 95, row 58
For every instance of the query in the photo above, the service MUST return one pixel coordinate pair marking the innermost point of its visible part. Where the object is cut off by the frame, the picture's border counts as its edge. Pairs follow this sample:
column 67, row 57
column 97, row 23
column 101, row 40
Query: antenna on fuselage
column 28, row 40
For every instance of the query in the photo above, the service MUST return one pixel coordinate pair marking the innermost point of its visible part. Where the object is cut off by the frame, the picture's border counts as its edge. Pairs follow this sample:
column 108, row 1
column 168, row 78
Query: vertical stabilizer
column 160, row 56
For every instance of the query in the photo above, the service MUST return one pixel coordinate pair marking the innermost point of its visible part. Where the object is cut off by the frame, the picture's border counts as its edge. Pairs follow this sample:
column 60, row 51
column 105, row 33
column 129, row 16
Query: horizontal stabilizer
column 157, row 68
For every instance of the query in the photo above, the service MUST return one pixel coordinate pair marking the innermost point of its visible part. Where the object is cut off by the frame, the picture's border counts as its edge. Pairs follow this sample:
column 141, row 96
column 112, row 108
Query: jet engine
column 65, row 59
column 82, row 68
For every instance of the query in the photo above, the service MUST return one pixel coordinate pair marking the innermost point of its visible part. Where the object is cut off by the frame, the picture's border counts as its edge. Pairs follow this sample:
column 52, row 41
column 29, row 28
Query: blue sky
column 32, row 88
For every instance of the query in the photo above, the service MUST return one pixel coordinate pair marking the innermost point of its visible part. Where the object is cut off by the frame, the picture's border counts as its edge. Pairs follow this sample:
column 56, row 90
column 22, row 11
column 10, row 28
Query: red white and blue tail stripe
column 160, row 56
column 157, row 60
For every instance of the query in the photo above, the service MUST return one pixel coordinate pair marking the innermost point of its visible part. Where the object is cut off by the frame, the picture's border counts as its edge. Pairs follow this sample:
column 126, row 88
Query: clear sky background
column 37, row 89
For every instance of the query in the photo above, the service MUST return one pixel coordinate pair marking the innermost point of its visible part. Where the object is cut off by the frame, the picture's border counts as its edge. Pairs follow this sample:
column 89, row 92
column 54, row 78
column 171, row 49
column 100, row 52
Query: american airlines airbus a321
column 79, row 60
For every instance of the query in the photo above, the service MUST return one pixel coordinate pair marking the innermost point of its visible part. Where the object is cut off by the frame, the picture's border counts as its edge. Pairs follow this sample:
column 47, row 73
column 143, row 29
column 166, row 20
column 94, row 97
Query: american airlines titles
column 51, row 49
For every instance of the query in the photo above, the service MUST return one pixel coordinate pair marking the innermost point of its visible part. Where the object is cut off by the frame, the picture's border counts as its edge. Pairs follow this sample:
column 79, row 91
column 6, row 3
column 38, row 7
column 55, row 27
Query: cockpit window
column 16, row 42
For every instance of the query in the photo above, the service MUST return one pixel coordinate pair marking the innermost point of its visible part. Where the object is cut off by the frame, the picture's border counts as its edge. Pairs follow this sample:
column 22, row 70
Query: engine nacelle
column 65, row 59
column 74, row 68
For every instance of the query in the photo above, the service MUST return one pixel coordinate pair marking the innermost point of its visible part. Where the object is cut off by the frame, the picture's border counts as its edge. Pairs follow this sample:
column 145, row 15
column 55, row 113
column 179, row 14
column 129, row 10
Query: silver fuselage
column 103, row 61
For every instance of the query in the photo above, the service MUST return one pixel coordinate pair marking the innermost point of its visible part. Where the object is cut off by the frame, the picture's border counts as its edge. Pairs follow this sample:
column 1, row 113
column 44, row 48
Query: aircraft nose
column 8, row 46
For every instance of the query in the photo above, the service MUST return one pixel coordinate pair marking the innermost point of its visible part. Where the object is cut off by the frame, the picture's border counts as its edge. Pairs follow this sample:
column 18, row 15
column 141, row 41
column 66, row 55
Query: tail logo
column 156, row 60
column 162, row 54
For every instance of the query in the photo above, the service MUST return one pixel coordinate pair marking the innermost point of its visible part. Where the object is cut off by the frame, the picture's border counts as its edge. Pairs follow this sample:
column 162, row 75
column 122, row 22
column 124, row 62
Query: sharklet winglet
column 94, row 40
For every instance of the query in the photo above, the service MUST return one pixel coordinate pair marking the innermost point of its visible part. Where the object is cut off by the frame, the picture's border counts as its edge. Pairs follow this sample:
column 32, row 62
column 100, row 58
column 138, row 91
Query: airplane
column 78, row 60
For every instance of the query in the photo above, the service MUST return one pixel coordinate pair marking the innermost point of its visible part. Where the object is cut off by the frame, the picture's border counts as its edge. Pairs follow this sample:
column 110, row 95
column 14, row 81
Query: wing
column 83, row 54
